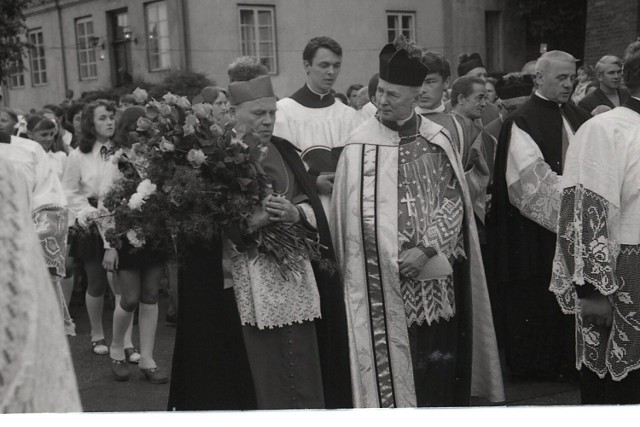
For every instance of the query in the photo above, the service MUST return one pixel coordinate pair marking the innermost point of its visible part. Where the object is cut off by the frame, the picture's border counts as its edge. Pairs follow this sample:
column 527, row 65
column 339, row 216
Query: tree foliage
column 12, row 41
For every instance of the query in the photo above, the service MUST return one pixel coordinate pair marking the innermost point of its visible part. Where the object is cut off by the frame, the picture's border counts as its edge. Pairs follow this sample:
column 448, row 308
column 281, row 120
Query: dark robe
column 536, row 337
column 597, row 97
column 210, row 366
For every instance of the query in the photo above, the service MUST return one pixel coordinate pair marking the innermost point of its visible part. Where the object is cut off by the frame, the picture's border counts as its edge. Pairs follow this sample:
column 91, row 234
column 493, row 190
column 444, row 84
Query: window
column 85, row 42
column 257, row 34
column 401, row 23
column 16, row 80
column 158, row 36
column 38, row 60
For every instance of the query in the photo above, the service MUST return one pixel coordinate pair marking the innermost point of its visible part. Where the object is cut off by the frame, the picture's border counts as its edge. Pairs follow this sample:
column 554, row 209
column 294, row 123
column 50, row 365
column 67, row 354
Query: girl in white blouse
column 82, row 181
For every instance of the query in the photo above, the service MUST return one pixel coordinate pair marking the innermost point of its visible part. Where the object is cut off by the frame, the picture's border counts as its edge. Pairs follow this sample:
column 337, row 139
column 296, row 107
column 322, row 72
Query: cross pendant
column 410, row 201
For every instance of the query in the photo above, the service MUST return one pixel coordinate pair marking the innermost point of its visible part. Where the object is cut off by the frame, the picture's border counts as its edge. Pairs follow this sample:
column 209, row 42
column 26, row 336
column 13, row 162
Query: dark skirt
column 86, row 246
column 130, row 258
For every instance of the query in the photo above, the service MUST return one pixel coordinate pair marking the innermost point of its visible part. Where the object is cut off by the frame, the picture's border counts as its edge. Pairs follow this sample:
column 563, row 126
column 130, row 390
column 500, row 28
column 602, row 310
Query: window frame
column 399, row 14
column 256, row 47
column 37, row 70
column 160, row 52
column 90, row 48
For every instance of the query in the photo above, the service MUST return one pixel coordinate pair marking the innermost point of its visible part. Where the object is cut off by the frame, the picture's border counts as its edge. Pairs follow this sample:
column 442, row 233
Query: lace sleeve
column 585, row 250
column 537, row 194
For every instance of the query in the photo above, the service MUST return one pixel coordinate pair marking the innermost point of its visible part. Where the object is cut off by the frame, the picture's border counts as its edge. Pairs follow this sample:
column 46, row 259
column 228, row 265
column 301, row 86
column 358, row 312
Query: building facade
column 611, row 26
column 86, row 45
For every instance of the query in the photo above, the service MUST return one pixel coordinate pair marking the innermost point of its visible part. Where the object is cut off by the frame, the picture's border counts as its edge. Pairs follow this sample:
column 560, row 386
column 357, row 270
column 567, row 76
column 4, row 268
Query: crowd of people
column 468, row 219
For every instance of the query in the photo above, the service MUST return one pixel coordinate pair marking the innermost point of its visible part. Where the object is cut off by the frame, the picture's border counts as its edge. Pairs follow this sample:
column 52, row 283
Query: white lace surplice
column 533, row 187
column 599, row 239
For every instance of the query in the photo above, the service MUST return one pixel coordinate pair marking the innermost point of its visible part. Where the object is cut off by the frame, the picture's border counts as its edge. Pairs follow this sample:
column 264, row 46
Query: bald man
column 538, row 338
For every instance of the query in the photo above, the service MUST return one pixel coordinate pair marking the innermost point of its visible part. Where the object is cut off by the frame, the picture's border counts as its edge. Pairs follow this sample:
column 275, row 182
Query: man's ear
column 232, row 112
column 306, row 65
column 446, row 83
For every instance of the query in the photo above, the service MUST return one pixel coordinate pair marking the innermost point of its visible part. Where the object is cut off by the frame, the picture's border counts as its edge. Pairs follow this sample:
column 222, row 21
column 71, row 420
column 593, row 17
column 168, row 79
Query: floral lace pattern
column 266, row 300
column 537, row 194
column 52, row 228
column 587, row 252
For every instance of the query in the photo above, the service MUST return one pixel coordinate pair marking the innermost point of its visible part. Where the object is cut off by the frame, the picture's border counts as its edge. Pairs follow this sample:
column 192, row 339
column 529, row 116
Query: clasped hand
column 596, row 309
column 411, row 262
column 275, row 209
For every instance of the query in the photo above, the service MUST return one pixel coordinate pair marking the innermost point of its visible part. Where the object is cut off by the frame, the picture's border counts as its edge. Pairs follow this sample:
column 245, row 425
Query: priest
column 248, row 338
column 312, row 120
column 538, row 338
column 421, row 332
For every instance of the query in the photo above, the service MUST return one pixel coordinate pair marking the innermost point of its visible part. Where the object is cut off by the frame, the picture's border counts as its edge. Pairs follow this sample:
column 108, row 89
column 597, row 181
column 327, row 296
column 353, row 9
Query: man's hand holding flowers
column 281, row 210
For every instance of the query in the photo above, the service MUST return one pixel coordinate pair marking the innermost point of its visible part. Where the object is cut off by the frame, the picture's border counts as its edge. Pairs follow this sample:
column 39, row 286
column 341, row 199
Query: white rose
column 170, row 98
column 141, row 95
column 136, row 238
column 166, row 145
column 146, row 188
column 196, row 157
column 183, row 102
column 87, row 216
column 136, row 201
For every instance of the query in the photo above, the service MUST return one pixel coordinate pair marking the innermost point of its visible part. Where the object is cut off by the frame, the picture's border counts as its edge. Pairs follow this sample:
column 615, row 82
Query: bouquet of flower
column 186, row 175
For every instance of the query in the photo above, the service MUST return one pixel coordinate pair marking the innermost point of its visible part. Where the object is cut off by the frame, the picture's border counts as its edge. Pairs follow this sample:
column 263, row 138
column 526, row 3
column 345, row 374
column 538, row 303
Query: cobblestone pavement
column 101, row 393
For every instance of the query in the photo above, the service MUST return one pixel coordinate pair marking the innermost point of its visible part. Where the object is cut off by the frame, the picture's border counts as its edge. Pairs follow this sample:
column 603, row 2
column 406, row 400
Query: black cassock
column 210, row 367
column 537, row 339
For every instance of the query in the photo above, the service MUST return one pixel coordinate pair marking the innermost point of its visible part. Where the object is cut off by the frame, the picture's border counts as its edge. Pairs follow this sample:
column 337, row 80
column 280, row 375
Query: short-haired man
column 600, row 212
column 472, row 66
column 352, row 95
column 434, row 85
column 400, row 208
column 247, row 337
column 311, row 119
column 477, row 148
column 609, row 74
column 370, row 108
column 538, row 338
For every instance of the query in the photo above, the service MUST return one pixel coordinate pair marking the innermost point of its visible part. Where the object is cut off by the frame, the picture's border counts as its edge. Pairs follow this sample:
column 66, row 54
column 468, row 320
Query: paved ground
column 100, row 393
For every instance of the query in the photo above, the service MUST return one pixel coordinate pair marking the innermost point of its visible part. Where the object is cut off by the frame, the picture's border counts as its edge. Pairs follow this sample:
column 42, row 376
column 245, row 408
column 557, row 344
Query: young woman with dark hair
column 83, row 178
column 138, row 274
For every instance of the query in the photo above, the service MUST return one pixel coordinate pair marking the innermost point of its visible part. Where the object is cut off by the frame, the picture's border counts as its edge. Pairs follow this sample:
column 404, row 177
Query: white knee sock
column 94, row 309
column 121, row 319
column 128, row 343
column 147, row 324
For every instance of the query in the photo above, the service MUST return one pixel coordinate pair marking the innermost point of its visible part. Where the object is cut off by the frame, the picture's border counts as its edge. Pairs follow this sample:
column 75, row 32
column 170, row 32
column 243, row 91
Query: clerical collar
column 409, row 126
column 439, row 109
column 310, row 99
column 538, row 94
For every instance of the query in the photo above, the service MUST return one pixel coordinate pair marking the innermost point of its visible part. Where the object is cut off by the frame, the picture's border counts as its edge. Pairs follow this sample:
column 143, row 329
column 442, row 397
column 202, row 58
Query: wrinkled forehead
column 266, row 103
column 557, row 67
column 396, row 88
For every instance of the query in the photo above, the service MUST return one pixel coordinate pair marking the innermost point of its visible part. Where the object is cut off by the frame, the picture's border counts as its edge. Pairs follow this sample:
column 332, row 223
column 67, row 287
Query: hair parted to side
column 316, row 43
column 87, row 127
column 631, row 67
column 607, row 60
column 38, row 122
column 555, row 55
column 245, row 68
column 464, row 86
column 436, row 63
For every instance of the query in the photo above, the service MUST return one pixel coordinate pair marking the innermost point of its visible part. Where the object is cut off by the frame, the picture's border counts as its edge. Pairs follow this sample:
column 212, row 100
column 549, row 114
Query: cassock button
column 291, row 364
column 292, row 387
column 291, row 375
column 290, row 353
column 290, row 342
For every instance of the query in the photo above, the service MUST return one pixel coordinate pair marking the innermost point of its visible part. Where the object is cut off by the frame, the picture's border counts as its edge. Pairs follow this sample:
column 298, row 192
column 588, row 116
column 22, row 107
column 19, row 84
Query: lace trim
column 428, row 300
column 52, row 227
column 266, row 300
column 587, row 252
column 537, row 194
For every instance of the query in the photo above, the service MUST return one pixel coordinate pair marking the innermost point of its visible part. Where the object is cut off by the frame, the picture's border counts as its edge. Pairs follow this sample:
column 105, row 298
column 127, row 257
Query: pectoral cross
column 410, row 201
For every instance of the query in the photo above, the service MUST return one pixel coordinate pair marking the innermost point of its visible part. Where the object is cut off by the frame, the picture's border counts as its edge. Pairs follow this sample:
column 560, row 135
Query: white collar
column 439, row 109
column 321, row 95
